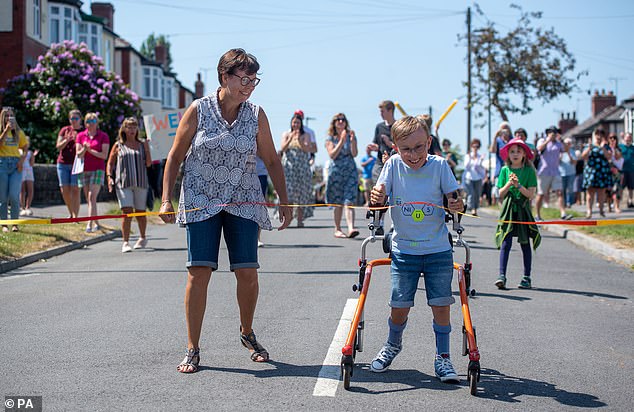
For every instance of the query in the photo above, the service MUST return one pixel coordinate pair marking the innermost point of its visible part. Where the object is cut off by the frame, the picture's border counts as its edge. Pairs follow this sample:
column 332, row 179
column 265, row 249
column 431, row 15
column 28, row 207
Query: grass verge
column 621, row 236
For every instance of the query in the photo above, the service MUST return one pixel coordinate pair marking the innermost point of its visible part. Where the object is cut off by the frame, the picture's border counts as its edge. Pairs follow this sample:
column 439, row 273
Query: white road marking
column 330, row 372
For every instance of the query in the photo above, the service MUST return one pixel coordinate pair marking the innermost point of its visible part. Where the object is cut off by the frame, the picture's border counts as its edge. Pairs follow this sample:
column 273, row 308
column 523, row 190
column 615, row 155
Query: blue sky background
column 329, row 56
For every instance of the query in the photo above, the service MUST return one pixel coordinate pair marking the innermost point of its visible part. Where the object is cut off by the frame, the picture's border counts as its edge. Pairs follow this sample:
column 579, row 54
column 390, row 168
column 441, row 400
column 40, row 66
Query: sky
column 330, row 56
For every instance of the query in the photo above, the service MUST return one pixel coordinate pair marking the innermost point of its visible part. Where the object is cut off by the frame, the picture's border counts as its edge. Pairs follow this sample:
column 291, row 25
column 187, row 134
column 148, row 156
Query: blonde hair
column 4, row 119
column 91, row 115
column 407, row 125
column 332, row 131
column 123, row 137
column 74, row 111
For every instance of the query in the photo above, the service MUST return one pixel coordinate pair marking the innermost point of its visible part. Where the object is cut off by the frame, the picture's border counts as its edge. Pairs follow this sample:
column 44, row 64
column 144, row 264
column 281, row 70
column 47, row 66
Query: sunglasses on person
column 91, row 121
column 75, row 118
column 246, row 80
column 340, row 119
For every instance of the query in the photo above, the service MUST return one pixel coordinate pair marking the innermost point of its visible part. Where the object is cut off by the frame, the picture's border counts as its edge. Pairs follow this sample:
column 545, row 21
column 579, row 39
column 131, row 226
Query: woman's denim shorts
column 64, row 175
column 241, row 237
column 437, row 270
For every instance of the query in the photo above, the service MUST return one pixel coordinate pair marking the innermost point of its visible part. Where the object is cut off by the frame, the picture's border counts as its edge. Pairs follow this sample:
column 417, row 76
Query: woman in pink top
column 92, row 145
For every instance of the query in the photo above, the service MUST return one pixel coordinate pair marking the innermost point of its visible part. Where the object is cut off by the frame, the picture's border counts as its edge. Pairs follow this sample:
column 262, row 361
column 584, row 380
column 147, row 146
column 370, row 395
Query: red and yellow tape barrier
column 54, row 221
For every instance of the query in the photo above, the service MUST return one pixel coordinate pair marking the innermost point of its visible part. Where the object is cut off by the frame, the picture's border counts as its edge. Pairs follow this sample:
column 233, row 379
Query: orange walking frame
column 354, row 341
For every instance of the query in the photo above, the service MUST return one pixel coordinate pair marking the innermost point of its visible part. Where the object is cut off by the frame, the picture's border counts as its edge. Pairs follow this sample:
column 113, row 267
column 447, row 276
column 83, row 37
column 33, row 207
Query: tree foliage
column 148, row 46
column 526, row 64
column 69, row 76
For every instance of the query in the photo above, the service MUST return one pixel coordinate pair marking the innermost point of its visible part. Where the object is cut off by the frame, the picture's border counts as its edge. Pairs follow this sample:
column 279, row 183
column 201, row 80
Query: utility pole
column 468, row 77
column 308, row 118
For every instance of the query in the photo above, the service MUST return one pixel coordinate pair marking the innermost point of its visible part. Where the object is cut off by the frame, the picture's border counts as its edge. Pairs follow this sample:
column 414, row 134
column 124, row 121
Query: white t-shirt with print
column 419, row 229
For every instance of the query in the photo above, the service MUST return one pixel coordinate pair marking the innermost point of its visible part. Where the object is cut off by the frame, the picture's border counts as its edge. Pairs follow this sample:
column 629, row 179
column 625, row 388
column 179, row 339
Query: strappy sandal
column 192, row 359
column 257, row 351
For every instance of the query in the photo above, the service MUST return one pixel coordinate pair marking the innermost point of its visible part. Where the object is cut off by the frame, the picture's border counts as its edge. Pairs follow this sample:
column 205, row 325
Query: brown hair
column 407, row 125
column 426, row 118
column 387, row 105
column 123, row 137
column 237, row 59
column 332, row 130
column 477, row 141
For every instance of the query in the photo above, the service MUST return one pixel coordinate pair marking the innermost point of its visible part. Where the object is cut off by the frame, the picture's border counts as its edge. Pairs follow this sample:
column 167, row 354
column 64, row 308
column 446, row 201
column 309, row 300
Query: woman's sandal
column 257, row 351
column 191, row 361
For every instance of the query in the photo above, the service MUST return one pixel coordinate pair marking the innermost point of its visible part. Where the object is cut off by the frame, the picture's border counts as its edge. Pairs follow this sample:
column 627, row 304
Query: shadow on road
column 309, row 246
column 497, row 386
column 580, row 293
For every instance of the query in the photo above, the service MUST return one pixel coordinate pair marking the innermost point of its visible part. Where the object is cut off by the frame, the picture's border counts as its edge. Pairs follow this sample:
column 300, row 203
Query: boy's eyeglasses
column 246, row 80
column 75, row 118
column 420, row 149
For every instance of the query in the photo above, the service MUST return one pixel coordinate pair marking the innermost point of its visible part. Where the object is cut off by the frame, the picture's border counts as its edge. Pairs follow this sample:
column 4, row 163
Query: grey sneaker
column 525, row 283
column 384, row 358
column 501, row 282
column 444, row 369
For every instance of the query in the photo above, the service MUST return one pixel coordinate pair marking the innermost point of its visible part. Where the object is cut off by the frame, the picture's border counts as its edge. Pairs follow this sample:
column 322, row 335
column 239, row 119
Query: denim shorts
column 64, row 175
column 437, row 269
column 241, row 237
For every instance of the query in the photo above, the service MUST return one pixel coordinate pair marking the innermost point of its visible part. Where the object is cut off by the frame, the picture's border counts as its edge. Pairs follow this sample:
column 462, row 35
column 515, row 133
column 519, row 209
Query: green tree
column 525, row 64
column 147, row 48
column 68, row 76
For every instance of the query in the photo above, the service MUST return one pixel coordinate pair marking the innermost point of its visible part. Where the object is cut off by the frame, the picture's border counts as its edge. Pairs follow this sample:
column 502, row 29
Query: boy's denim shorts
column 241, row 237
column 437, row 269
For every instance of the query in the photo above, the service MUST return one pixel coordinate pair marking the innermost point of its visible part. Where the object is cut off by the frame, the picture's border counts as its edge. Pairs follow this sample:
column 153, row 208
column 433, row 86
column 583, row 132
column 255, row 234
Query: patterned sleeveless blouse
column 219, row 171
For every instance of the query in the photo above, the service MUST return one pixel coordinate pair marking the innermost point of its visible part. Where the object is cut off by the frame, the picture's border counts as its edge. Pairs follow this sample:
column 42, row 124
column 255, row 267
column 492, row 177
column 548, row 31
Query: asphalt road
column 97, row 330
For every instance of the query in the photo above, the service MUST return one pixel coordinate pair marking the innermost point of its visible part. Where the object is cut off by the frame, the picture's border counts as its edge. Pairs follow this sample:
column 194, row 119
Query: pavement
column 60, row 211
column 95, row 329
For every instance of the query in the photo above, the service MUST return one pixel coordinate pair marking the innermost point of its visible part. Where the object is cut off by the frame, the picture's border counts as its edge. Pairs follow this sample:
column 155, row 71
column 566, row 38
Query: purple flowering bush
column 69, row 76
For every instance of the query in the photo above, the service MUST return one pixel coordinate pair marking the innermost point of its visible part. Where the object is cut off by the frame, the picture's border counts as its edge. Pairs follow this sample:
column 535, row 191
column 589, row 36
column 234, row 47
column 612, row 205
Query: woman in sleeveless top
column 218, row 138
column 127, row 173
column 296, row 149
column 343, row 181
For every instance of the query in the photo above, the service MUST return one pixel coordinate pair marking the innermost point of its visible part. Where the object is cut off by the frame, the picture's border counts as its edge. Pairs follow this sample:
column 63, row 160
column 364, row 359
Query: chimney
column 105, row 11
column 160, row 54
column 567, row 123
column 602, row 101
column 199, row 87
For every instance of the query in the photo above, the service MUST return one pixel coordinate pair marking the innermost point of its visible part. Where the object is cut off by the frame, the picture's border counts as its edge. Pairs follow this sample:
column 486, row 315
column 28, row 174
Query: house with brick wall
column 29, row 27
column 613, row 117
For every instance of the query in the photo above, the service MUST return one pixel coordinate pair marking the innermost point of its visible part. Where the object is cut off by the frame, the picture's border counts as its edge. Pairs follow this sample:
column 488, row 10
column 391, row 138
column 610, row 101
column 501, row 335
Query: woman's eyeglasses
column 340, row 119
column 246, row 80
column 91, row 121
column 75, row 118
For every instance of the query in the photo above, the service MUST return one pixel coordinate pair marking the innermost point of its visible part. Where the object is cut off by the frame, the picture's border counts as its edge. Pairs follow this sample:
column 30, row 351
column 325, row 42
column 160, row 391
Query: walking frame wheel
column 347, row 365
column 473, row 376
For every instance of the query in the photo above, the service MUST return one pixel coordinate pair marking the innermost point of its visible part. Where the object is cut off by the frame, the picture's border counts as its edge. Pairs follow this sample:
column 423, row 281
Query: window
column 107, row 60
column 152, row 83
column 147, row 82
column 168, row 93
column 37, row 18
column 54, row 25
column 64, row 23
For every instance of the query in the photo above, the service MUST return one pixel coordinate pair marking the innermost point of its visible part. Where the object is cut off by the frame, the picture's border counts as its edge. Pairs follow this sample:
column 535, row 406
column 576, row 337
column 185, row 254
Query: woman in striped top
column 127, row 174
